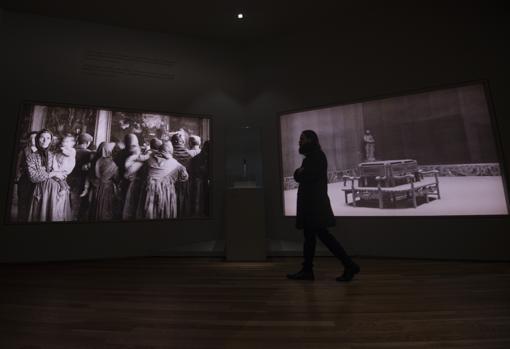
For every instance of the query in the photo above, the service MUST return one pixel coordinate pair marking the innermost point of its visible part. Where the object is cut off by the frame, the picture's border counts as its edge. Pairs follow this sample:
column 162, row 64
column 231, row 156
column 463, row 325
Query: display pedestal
column 245, row 235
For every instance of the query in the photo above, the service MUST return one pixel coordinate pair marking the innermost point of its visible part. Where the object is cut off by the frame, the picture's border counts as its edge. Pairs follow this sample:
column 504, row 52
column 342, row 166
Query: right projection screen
column 431, row 153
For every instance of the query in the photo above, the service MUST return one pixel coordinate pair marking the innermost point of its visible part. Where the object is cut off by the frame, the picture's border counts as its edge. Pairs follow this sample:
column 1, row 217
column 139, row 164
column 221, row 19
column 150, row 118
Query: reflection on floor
column 476, row 195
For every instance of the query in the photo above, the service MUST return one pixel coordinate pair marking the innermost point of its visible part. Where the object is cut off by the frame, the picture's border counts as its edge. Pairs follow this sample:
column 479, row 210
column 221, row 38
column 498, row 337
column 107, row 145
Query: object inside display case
column 244, row 160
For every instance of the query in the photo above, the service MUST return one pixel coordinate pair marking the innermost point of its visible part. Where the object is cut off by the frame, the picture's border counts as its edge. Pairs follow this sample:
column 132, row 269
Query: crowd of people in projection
column 122, row 180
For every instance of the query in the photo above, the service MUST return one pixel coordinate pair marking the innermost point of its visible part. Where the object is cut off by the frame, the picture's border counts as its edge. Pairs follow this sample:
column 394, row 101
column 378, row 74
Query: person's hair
column 130, row 140
column 194, row 140
column 312, row 136
column 44, row 130
column 205, row 147
column 29, row 136
column 105, row 150
column 43, row 152
column 84, row 138
column 176, row 137
column 155, row 144
column 67, row 135
column 167, row 147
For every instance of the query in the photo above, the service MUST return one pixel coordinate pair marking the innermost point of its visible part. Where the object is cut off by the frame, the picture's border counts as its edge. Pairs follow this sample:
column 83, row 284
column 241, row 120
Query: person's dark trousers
column 327, row 239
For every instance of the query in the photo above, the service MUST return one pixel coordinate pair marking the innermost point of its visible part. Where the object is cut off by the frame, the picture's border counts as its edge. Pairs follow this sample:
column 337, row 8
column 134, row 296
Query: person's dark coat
column 313, row 206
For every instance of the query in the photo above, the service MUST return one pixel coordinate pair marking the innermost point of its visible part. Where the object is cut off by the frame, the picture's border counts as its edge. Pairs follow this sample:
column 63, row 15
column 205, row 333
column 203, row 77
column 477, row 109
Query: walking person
column 314, row 213
column 182, row 189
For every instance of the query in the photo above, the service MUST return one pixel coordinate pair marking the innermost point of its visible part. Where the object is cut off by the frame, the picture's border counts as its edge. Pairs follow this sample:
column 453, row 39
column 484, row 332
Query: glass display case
column 243, row 157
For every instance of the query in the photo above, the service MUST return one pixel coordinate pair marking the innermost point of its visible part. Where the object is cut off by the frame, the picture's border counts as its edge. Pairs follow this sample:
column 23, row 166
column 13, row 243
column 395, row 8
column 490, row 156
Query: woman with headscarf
column 199, row 182
column 78, row 176
column 158, row 199
column 132, row 180
column 181, row 153
column 129, row 144
column 101, row 186
column 25, row 187
column 194, row 142
column 50, row 201
column 182, row 189
column 313, row 213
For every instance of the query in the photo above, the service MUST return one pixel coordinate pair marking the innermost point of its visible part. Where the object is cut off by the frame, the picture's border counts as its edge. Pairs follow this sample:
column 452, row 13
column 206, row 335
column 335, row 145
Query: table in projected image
column 390, row 181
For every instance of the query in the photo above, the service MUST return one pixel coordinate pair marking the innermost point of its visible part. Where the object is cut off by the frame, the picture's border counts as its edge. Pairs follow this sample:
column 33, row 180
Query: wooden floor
column 156, row 303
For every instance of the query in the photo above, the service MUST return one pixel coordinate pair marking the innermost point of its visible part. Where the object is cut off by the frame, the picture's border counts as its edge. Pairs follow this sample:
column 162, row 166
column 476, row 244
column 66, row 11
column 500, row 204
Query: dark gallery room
column 255, row 174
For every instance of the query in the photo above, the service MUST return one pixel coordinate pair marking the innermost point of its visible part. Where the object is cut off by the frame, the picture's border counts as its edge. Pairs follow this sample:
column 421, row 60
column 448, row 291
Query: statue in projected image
column 369, row 142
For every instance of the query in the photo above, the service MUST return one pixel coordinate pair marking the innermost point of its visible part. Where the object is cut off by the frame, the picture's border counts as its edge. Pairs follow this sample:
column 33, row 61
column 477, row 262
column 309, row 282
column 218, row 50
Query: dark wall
column 377, row 54
column 450, row 126
column 340, row 130
column 46, row 59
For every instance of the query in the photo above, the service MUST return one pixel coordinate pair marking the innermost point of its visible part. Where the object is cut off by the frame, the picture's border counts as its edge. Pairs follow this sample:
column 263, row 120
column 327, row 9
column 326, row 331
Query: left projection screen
column 86, row 164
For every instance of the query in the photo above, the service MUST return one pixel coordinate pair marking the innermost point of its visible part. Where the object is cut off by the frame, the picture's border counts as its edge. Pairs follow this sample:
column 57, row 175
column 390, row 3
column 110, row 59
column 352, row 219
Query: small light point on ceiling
column 240, row 16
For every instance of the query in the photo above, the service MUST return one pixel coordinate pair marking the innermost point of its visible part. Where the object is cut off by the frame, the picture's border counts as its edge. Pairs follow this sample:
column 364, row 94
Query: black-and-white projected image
column 425, row 154
column 87, row 164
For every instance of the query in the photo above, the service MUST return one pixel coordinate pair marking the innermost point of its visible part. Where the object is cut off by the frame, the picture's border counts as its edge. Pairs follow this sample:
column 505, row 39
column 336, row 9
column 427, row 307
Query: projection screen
column 432, row 153
column 86, row 164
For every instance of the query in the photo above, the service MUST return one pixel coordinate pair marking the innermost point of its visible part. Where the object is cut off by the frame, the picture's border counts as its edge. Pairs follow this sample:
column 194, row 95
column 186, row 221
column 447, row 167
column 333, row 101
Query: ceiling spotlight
column 240, row 16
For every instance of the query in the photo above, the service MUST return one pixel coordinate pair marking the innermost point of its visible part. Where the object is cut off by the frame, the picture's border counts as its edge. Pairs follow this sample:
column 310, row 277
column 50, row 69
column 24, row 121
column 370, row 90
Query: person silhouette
column 314, row 214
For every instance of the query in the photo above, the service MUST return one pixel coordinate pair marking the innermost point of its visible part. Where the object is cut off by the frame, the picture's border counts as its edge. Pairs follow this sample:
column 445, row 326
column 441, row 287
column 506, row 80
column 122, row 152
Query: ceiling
column 263, row 18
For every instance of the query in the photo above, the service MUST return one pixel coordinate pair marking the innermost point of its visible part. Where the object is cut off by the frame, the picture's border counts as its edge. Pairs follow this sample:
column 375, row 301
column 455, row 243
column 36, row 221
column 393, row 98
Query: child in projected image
column 194, row 145
column 65, row 160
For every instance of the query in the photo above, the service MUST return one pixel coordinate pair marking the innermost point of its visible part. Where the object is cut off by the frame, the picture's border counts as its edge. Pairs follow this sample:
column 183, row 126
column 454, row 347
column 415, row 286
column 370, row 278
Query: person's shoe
column 301, row 275
column 349, row 273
